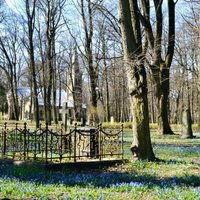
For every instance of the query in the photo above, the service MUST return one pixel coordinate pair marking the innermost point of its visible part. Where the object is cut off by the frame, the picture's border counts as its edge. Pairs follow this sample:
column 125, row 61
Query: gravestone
column 92, row 140
column 187, row 125
column 112, row 120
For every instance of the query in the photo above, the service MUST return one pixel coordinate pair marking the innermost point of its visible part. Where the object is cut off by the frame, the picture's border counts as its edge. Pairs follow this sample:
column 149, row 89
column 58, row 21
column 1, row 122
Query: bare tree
column 186, row 57
column 30, row 14
column 9, row 61
column 137, row 82
column 52, row 11
column 160, row 66
column 87, row 19
column 192, row 20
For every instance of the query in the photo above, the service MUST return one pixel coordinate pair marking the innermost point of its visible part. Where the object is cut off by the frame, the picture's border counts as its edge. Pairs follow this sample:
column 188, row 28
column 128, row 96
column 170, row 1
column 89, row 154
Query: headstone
column 112, row 120
column 186, row 125
column 92, row 141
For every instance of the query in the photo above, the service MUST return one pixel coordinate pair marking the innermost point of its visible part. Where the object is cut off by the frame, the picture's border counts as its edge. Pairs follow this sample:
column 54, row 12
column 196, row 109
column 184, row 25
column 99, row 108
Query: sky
column 10, row 3
column 181, row 7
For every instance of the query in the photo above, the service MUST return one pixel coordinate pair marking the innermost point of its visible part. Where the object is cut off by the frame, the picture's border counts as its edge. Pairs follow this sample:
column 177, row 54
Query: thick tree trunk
column 137, row 81
column 87, row 19
column 186, row 116
column 187, row 125
column 141, row 146
column 163, row 102
column 176, row 118
column 35, row 99
column 93, row 86
column 93, row 74
column 163, row 116
column 160, row 67
column 15, row 102
column 49, row 62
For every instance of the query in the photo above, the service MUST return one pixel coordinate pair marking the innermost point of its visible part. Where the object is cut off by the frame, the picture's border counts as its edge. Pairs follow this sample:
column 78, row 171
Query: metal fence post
column 122, row 145
column 61, row 143
column 4, row 140
column 25, row 146
column 99, row 130
column 46, row 143
column 75, row 131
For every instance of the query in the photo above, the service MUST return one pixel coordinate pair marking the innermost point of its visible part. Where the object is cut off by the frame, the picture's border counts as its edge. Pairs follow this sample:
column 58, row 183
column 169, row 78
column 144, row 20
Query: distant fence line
column 57, row 145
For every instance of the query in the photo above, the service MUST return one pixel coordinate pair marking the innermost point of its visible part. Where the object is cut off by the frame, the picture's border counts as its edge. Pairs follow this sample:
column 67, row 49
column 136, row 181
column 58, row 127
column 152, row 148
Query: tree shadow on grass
column 35, row 173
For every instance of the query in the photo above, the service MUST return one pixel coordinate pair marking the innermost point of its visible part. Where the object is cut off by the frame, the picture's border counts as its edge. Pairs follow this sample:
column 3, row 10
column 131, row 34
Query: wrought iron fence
column 59, row 146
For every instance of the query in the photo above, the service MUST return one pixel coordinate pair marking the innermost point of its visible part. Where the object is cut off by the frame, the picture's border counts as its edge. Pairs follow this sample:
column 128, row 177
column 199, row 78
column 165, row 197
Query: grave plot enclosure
column 21, row 143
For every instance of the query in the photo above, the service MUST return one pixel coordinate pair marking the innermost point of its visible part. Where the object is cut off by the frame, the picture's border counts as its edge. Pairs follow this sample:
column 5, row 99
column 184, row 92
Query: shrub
column 116, row 124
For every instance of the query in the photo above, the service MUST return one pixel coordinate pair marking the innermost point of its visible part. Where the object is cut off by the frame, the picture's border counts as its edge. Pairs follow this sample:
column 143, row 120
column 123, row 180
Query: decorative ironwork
column 58, row 146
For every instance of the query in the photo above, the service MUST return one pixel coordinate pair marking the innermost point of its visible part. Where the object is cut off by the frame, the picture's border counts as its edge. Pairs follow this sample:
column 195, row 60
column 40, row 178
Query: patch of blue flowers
column 107, row 179
column 38, row 183
column 182, row 149
column 69, row 179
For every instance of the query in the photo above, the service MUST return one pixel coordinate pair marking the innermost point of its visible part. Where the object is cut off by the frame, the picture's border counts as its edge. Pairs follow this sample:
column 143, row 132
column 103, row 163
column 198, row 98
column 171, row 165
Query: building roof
column 25, row 92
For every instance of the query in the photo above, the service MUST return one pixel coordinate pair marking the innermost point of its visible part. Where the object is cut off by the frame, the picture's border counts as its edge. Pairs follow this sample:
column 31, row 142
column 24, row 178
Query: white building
column 26, row 112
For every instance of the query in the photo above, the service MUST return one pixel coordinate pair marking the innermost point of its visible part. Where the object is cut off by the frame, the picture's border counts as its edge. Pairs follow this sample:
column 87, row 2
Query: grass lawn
column 176, row 177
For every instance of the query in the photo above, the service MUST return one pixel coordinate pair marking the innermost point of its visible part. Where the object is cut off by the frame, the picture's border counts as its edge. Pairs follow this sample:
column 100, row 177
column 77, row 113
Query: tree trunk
column 199, row 99
column 107, row 97
column 137, row 82
column 160, row 67
column 187, row 125
column 15, row 102
column 93, row 87
column 31, row 23
column 12, row 77
column 152, row 99
column 49, row 81
column 87, row 19
column 176, row 111
column 123, row 117
column 186, row 117
column 163, row 102
column 141, row 146
column 106, row 82
column 54, row 105
column 49, row 62
column 35, row 92
column 115, row 96
column 55, row 111
column 43, row 83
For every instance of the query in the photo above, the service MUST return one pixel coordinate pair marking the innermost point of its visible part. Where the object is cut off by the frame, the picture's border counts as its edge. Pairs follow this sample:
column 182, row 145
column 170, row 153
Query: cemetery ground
column 175, row 176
